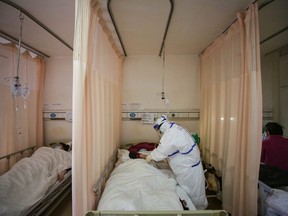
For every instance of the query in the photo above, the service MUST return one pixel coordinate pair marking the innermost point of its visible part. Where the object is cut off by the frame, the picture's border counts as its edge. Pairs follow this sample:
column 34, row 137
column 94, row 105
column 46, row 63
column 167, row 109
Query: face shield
column 159, row 132
column 159, row 122
column 157, row 128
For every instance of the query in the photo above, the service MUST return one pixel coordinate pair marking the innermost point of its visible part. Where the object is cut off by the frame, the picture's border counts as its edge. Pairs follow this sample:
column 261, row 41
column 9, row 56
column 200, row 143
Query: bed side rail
column 21, row 152
column 100, row 184
column 7, row 161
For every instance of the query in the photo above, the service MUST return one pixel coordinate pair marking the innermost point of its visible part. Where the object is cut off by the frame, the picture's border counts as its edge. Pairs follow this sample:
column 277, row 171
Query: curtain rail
column 24, row 45
column 115, row 26
column 274, row 35
column 37, row 21
column 259, row 8
column 119, row 36
column 167, row 26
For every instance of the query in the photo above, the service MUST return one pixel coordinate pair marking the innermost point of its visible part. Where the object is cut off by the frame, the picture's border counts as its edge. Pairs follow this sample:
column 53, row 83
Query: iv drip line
column 16, row 88
column 21, row 17
column 163, row 77
column 17, row 85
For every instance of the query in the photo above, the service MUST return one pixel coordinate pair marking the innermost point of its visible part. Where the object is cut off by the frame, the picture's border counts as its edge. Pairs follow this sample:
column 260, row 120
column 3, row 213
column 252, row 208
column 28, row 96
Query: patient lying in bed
column 30, row 179
column 136, row 185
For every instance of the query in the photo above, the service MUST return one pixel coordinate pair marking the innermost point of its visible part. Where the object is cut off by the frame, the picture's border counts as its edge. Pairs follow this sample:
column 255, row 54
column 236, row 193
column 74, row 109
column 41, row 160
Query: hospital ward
column 144, row 108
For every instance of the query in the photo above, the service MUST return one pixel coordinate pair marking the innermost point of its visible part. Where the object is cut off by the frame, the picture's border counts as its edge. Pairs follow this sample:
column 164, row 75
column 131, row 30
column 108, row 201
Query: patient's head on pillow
column 66, row 146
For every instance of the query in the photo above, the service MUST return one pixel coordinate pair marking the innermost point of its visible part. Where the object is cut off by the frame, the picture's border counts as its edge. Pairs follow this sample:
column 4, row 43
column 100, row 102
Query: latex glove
column 149, row 158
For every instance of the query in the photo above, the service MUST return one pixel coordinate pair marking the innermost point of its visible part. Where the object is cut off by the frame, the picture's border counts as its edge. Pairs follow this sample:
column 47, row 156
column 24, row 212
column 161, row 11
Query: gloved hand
column 149, row 158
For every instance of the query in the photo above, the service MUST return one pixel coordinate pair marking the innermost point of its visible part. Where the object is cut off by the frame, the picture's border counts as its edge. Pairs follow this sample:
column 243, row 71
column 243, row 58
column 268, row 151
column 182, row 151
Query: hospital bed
column 273, row 201
column 273, row 191
column 134, row 187
column 36, row 184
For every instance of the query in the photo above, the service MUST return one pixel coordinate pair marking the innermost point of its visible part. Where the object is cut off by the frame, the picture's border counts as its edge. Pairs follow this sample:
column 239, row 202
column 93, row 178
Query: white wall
column 275, row 86
column 284, row 91
column 58, row 97
column 142, row 83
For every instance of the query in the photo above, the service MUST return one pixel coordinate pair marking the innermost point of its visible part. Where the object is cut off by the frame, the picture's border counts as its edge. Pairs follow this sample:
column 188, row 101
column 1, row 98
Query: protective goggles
column 157, row 127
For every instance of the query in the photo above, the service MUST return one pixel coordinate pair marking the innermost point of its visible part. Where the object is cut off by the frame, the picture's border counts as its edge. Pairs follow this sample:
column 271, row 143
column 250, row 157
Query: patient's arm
column 61, row 175
column 142, row 156
column 134, row 155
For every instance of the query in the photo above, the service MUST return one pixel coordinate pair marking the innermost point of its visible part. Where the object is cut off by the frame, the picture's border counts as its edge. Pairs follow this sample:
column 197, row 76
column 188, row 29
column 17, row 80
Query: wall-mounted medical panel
column 178, row 115
column 57, row 115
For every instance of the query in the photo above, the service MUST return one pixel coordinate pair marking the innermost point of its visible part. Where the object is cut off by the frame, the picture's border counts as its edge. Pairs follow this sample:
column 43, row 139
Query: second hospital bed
column 35, row 185
column 136, row 186
column 273, row 191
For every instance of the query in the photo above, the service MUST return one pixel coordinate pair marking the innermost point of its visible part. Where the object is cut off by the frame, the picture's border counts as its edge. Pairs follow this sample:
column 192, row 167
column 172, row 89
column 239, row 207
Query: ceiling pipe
column 37, row 21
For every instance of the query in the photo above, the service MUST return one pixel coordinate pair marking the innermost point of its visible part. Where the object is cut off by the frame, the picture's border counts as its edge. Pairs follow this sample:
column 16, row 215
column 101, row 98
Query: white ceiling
column 141, row 24
column 57, row 15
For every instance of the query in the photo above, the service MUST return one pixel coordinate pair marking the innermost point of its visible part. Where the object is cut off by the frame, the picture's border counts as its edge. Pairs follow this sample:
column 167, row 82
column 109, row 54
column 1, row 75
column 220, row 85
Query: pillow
column 122, row 156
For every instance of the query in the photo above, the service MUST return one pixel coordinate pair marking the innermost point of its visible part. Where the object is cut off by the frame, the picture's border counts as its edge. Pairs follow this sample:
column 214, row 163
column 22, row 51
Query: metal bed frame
column 156, row 213
column 52, row 199
column 99, row 188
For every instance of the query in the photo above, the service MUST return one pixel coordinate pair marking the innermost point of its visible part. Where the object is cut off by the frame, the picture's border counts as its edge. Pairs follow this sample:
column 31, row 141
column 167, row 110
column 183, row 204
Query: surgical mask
column 264, row 136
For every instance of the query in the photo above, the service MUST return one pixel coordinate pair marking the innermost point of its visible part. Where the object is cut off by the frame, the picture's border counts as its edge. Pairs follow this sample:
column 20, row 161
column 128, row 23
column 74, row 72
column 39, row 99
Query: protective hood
column 162, row 124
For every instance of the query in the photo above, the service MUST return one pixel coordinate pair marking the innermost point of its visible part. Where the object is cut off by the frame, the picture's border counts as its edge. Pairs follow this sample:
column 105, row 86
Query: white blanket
column 137, row 185
column 277, row 203
column 30, row 178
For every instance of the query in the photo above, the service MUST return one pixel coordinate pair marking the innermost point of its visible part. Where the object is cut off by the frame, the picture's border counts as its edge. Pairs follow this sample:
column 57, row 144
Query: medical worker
column 178, row 146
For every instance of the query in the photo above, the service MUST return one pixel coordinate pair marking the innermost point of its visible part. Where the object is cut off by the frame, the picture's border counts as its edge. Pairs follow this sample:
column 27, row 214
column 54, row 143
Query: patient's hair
column 274, row 128
column 65, row 146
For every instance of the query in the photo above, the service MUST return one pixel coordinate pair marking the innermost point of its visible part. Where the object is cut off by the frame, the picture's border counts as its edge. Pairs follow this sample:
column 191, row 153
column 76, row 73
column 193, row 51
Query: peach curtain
column 231, row 111
column 23, row 128
column 96, row 103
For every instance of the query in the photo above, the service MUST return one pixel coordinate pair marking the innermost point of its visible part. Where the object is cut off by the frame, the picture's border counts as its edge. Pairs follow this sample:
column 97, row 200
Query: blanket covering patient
column 30, row 179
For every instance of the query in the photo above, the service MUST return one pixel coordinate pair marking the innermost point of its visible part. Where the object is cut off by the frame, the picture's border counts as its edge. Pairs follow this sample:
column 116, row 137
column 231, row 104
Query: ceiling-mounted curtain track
column 167, row 26
column 37, row 21
column 262, row 5
column 119, row 36
column 24, row 45
column 259, row 8
column 274, row 35
column 115, row 26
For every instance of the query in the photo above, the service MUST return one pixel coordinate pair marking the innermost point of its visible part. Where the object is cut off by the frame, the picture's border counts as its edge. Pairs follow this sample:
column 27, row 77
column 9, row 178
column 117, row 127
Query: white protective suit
column 178, row 146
